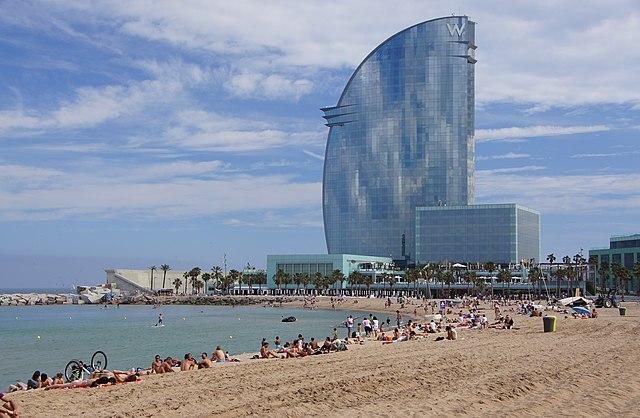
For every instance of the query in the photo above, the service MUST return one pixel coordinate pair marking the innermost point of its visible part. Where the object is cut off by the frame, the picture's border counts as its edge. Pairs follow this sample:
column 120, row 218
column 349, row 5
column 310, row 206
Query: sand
column 589, row 367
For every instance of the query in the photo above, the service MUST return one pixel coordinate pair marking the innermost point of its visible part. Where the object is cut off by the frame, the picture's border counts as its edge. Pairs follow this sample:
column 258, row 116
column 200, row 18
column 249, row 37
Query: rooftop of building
column 627, row 237
column 478, row 206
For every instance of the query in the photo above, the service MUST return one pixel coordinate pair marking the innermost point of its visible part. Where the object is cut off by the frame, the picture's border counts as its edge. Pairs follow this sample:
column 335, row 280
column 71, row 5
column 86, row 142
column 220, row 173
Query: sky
column 140, row 133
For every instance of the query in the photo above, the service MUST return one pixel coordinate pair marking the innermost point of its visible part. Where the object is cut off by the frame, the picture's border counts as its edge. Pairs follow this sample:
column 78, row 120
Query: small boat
column 289, row 319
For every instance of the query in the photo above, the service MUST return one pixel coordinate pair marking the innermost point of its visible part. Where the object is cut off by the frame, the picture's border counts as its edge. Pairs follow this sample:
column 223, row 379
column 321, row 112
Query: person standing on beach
column 349, row 324
column 398, row 318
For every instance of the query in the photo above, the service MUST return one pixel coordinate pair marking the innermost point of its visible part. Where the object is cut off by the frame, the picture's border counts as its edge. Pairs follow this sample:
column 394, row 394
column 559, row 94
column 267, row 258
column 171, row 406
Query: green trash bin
column 549, row 323
column 623, row 310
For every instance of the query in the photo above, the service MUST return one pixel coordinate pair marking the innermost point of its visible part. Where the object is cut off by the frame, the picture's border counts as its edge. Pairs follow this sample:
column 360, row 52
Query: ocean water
column 129, row 338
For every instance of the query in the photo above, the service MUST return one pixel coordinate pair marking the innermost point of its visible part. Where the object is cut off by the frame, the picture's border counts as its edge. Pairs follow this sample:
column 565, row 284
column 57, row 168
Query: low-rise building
column 623, row 250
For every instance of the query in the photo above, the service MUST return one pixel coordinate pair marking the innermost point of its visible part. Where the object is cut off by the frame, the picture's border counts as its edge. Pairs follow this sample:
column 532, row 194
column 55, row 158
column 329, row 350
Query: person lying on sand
column 265, row 352
column 104, row 380
column 205, row 363
column 8, row 407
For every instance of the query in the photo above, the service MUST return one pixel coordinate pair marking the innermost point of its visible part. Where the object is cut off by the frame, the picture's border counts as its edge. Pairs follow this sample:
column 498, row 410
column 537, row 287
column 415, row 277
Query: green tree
column 193, row 274
column 279, row 278
column 603, row 275
column 232, row 278
column 165, row 268
column 195, row 284
column 622, row 276
column 559, row 274
column 412, row 275
column 318, row 281
column 490, row 267
column 260, row 279
column 177, row 283
column 448, row 278
column 305, row 280
column 431, row 273
column 571, row 274
column 535, row 277
column 185, row 276
column 392, row 280
column 216, row 275
column 504, row 276
column 636, row 275
column 470, row 278
column 248, row 279
column 355, row 279
column 339, row 278
column 367, row 280
column 205, row 278
column 152, row 268
column 297, row 280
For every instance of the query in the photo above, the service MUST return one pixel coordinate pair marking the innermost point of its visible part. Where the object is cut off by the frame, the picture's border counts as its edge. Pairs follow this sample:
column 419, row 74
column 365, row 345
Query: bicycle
column 75, row 369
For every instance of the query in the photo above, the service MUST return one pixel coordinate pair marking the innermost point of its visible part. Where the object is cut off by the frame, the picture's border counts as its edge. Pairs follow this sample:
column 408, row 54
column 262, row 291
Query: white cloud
column 201, row 130
column 314, row 155
column 561, row 193
column 512, row 169
column 92, row 106
column 178, row 190
column 507, row 156
column 273, row 86
column 605, row 154
column 271, row 219
column 482, row 135
column 555, row 53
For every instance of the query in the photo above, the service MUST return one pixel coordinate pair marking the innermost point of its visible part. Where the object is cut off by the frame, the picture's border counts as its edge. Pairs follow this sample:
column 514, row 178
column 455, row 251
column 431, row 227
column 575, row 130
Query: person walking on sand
column 398, row 318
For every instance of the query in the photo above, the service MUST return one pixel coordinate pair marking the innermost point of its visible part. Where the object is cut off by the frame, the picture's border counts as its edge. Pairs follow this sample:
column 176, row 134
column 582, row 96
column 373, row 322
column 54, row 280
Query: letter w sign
column 456, row 29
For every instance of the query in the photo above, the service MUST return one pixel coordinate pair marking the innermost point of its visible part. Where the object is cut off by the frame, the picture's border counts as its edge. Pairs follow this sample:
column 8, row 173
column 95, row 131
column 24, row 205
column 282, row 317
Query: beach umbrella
column 582, row 310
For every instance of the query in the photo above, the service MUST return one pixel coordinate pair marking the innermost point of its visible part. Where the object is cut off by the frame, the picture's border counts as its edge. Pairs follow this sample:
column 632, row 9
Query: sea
column 45, row 338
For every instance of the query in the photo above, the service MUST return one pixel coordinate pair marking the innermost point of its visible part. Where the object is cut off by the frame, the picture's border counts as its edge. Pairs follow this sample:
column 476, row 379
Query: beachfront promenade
column 589, row 366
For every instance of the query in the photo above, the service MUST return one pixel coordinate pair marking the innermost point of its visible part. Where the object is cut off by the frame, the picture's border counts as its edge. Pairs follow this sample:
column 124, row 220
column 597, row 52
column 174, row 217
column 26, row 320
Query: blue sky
column 137, row 133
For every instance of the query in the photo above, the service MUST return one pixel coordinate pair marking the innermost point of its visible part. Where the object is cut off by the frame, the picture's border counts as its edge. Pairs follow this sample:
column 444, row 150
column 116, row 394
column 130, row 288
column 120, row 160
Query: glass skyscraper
column 401, row 137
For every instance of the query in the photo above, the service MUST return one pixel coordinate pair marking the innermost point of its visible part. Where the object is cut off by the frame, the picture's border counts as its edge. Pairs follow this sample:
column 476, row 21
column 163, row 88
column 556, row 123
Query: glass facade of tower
column 502, row 233
column 401, row 136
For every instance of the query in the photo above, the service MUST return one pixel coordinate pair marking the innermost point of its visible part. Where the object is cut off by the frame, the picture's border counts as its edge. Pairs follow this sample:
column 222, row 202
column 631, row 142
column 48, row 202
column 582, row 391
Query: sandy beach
column 589, row 367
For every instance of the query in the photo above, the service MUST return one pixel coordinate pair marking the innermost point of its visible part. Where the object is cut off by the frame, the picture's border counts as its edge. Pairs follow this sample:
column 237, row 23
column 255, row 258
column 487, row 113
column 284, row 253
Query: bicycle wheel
column 99, row 361
column 73, row 371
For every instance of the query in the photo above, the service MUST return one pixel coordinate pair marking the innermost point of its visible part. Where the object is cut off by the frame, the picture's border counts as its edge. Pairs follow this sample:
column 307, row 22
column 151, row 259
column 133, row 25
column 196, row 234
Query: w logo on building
column 454, row 28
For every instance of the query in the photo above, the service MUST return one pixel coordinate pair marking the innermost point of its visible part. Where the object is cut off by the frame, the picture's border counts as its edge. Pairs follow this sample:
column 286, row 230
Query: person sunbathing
column 59, row 379
column 89, row 383
column 206, row 362
column 8, row 407
column 188, row 363
column 218, row 355
column 265, row 352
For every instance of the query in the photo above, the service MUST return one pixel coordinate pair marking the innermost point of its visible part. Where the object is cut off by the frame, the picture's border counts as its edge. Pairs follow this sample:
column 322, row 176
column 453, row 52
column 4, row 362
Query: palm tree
column 535, row 277
column 234, row 276
column 330, row 280
column 248, row 279
column 165, row 268
column 490, row 267
column 571, row 274
column 367, row 280
column 339, row 277
column 504, row 276
column 392, row 281
column 297, row 280
column 260, row 279
column 355, row 279
column 551, row 259
column 431, row 273
column 593, row 266
column 318, row 281
column 603, row 273
column 635, row 272
column 177, row 283
column 305, row 280
column 152, row 268
column 185, row 276
column 205, row 278
column 279, row 278
column 470, row 278
column 195, row 284
column 448, row 278
column 193, row 274
column 559, row 274
column 412, row 275
column 384, row 278
column 622, row 276
column 216, row 275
